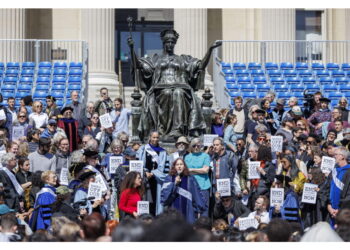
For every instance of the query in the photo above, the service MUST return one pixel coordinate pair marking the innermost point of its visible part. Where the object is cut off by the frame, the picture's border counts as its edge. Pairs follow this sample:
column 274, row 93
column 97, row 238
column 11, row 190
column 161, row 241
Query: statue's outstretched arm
column 206, row 58
column 134, row 60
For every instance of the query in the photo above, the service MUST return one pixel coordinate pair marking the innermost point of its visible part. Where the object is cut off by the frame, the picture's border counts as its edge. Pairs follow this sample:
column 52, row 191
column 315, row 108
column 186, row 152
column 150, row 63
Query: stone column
column 98, row 28
column 12, row 26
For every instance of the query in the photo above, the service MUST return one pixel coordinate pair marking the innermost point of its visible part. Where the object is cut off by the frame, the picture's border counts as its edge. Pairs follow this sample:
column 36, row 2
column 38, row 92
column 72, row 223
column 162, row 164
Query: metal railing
column 277, row 52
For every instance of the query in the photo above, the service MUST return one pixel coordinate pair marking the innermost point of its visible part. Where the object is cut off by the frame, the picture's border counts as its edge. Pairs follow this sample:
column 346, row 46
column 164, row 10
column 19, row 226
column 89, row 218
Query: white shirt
column 264, row 217
column 39, row 119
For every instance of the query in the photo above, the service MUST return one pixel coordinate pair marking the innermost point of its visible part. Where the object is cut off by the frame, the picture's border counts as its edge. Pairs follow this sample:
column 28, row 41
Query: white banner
column 142, row 207
column 253, row 172
column 208, row 139
column 327, row 164
column 17, row 132
column 99, row 180
column 106, row 121
column 245, row 223
column 223, row 186
column 114, row 163
column 95, row 190
column 276, row 196
column 64, row 177
column 309, row 193
column 136, row 166
column 276, row 143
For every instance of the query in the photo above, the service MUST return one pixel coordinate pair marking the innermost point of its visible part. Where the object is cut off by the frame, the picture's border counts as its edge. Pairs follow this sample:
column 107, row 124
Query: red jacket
column 128, row 200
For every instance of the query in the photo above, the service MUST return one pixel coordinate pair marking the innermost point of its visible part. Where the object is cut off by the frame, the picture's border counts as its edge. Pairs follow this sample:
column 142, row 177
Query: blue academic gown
column 41, row 218
column 188, row 206
column 158, row 173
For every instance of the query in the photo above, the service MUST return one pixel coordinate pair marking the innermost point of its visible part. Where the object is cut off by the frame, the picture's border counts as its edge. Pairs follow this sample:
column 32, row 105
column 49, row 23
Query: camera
column 309, row 103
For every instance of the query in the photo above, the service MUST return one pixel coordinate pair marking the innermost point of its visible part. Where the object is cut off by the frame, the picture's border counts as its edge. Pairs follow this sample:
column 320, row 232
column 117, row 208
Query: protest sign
column 327, row 164
column 99, row 180
column 208, row 139
column 17, row 132
column 106, row 121
column 136, row 166
column 253, row 172
column 95, row 190
column 114, row 163
column 276, row 143
column 309, row 193
column 142, row 207
column 276, row 196
column 64, row 177
column 223, row 186
column 247, row 222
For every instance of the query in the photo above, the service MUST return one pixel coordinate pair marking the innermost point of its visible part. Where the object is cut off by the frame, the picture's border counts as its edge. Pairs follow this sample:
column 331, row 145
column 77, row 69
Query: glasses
column 94, row 117
column 53, row 125
column 197, row 146
column 39, row 106
column 22, row 116
column 309, row 142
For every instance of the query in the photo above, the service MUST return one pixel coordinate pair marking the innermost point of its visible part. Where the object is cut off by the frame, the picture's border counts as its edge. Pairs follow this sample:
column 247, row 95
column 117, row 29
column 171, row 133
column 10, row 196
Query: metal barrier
column 277, row 52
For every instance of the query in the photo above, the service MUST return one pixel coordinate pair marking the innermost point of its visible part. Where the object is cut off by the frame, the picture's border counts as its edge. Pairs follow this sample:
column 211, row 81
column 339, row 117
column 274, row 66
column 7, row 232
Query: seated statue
column 169, row 81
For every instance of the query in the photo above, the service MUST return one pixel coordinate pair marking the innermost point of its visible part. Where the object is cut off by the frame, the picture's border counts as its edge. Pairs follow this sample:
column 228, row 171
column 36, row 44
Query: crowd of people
column 51, row 158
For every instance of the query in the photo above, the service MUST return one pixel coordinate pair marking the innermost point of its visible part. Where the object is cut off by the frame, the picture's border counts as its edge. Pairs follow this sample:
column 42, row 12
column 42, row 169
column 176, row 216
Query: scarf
column 337, row 185
column 152, row 150
column 14, row 181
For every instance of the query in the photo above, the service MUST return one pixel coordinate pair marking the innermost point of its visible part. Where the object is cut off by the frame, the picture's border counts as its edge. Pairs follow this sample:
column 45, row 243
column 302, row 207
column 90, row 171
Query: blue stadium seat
column 27, row 73
column 341, row 80
column 28, row 65
column 243, row 80
column 74, row 80
column 75, row 87
column 45, row 65
column 242, row 73
column 322, row 73
column 257, row 72
column 297, row 87
column 305, row 73
column 7, row 94
column 57, row 94
column 59, row 79
column 68, row 101
column 26, row 80
column 42, row 87
column 24, row 87
column 230, row 86
column 332, row 66
column 337, row 73
column 1, row 72
column 326, row 80
column 284, row 95
column 317, row 66
column 43, row 80
column 224, row 65
column 263, row 87
column 344, row 87
column 237, row 66
column 12, row 72
column 290, row 73
column 330, row 88
column 58, row 87
column 59, row 102
column 261, row 94
column 277, row 80
column 60, row 65
column 254, row 66
column 345, row 66
column 312, row 87
column 44, row 72
column 234, row 93
column 347, row 94
column 286, row 65
column 247, row 87
column 301, row 66
column 75, row 65
column 60, row 72
column 297, row 94
column 334, row 102
column 229, row 79
column 2, row 66
column 20, row 94
column 271, row 66
column 249, row 95
column 40, row 94
column 274, row 73
column 281, row 88
column 227, row 72
column 8, row 87
column 333, row 95
column 12, row 65
column 75, row 72
column 308, row 80
column 10, row 80
column 292, row 80
column 259, row 80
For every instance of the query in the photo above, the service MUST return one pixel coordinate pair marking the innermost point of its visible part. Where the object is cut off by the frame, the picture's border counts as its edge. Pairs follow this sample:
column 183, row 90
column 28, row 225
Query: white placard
column 276, row 143
column 64, row 177
column 309, row 193
column 2, row 115
column 276, row 196
column 208, row 139
column 142, row 207
column 114, row 163
column 106, row 121
column 245, row 223
column 99, row 180
column 253, row 172
column 223, row 186
column 327, row 164
column 95, row 190
column 17, row 132
column 136, row 166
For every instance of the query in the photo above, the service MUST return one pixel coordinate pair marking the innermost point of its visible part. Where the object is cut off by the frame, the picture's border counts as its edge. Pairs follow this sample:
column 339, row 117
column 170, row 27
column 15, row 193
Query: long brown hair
column 173, row 171
column 129, row 180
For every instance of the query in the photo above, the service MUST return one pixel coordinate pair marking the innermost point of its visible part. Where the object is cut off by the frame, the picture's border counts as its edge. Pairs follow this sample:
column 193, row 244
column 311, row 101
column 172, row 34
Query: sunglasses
column 197, row 146
column 22, row 116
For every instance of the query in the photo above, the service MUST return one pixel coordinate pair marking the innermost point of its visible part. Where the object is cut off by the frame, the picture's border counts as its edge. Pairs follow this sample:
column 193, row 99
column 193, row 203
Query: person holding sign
column 94, row 126
column 260, row 210
column 116, row 158
column 63, row 157
column 290, row 169
column 132, row 190
column 154, row 159
column 70, row 127
column 181, row 191
column 20, row 127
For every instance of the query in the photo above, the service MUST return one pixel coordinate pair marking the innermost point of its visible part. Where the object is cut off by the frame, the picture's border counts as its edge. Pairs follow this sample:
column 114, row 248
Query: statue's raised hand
column 130, row 42
column 216, row 44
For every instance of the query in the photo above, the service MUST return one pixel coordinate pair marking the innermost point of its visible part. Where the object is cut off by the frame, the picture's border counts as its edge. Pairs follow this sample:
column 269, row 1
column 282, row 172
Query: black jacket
column 237, row 209
column 12, row 199
column 345, row 193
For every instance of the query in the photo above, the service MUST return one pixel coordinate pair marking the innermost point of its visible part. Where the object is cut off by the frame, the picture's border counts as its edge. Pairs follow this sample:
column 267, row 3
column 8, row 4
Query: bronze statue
column 170, row 105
